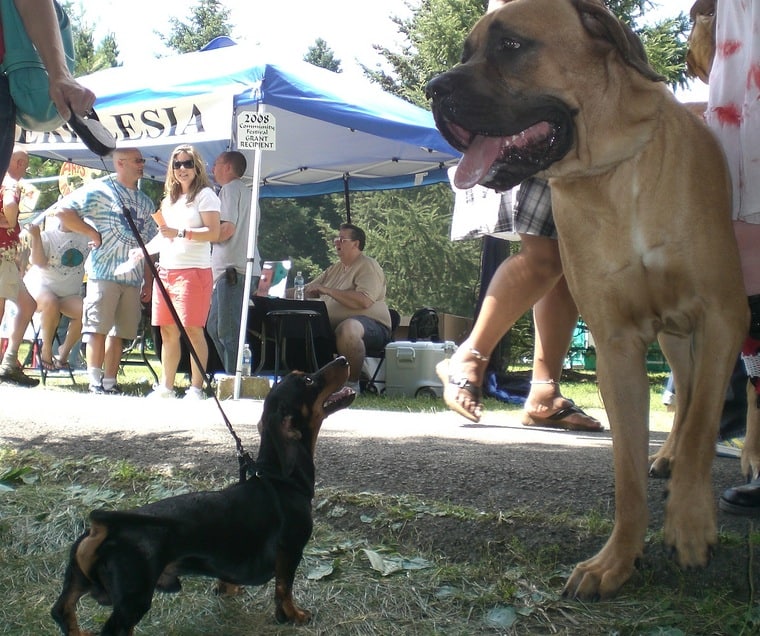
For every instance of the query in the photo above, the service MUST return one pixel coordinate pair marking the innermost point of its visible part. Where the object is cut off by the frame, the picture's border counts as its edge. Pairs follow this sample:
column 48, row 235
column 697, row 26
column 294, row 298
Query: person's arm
column 74, row 223
column 209, row 231
column 348, row 298
column 10, row 205
column 37, row 254
column 226, row 231
column 41, row 23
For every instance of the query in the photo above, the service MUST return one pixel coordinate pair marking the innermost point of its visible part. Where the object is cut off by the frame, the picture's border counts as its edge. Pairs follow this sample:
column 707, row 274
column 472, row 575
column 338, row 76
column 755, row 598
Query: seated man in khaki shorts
column 354, row 293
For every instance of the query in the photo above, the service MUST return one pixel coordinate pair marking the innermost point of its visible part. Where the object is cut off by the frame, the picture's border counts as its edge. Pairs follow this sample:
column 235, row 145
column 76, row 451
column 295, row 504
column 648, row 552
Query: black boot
column 742, row 500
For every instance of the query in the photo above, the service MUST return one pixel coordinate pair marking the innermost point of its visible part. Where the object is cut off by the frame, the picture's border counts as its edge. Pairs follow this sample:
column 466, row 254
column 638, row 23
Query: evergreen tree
column 208, row 19
column 319, row 54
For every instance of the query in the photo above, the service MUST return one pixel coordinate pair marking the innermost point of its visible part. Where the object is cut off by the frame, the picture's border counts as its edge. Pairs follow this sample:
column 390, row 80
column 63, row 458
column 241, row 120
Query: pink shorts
column 190, row 291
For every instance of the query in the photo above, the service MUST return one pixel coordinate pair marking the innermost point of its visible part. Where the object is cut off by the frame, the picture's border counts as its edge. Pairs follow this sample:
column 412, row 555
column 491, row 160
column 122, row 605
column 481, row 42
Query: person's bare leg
column 171, row 352
column 519, row 282
column 50, row 315
column 113, row 352
column 71, row 307
column 198, row 340
column 349, row 343
column 555, row 317
column 26, row 306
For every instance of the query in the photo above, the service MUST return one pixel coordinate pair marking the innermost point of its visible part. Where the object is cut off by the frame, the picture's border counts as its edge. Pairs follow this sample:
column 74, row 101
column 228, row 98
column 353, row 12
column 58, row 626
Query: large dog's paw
column 601, row 576
column 690, row 528
column 660, row 465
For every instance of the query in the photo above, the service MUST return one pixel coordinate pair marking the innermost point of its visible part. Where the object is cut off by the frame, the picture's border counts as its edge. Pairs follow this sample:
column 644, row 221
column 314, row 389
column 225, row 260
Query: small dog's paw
column 223, row 588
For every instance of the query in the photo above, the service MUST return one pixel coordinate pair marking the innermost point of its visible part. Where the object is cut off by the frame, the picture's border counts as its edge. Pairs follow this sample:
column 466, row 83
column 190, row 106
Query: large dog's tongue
column 477, row 161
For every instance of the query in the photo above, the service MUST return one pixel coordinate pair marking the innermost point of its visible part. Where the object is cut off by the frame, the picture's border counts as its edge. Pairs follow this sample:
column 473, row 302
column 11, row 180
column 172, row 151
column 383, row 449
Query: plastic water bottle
column 247, row 357
column 298, row 282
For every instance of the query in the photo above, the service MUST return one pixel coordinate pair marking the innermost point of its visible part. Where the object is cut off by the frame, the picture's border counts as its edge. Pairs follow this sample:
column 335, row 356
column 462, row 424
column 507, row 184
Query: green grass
column 361, row 573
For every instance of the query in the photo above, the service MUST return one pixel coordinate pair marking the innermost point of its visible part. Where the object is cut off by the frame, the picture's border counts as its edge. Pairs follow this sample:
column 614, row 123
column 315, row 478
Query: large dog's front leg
column 625, row 389
column 690, row 525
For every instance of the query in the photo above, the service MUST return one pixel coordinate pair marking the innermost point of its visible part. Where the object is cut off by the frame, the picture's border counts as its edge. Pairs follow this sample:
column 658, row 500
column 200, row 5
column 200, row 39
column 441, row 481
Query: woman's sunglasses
column 187, row 163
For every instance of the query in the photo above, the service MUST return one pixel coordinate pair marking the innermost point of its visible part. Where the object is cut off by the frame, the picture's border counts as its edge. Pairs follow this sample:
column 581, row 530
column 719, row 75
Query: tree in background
column 319, row 54
column 88, row 56
column 208, row 19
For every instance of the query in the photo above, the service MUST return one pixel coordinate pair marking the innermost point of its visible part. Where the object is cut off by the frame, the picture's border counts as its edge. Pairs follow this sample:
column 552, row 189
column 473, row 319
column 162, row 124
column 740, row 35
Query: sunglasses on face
column 187, row 163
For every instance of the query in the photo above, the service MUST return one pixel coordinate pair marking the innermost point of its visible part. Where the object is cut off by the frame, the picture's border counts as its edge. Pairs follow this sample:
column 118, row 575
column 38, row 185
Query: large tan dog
column 641, row 201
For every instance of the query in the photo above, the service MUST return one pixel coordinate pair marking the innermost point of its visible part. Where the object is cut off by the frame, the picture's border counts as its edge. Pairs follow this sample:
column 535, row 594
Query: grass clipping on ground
column 375, row 565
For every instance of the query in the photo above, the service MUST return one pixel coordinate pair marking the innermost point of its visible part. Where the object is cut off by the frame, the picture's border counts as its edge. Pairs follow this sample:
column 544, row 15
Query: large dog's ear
column 285, row 438
column 601, row 23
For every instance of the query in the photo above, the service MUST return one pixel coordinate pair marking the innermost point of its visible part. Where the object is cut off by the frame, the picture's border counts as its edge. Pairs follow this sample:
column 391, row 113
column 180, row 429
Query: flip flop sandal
column 557, row 420
column 451, row 388
column 46, row 365
column 60, row 365
column 93, row 134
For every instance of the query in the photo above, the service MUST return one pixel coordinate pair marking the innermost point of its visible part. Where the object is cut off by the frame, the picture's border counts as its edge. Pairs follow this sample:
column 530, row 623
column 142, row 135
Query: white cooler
column 410, row 367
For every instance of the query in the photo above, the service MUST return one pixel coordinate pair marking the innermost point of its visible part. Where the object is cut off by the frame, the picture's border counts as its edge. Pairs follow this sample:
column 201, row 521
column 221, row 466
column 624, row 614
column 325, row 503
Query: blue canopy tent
column 329, row 127
column 305, row 130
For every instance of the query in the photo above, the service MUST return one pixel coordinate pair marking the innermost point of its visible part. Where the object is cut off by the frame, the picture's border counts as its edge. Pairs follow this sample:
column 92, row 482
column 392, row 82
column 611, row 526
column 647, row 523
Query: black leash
column 244, row 458
column 101, row 143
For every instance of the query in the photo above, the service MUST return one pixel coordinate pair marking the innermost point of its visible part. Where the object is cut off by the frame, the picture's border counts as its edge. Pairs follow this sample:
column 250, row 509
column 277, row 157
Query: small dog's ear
column 286, row 438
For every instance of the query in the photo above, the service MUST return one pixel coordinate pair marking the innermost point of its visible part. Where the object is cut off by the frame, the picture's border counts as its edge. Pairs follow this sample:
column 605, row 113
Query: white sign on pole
column 256, row 131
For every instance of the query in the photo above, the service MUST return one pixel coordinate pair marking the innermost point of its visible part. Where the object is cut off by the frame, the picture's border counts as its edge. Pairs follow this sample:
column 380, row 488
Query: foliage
column 88, row 56
column 434, row 35
column 407, row 232
column 208, row 19
column 319, row 54
column 435, row 32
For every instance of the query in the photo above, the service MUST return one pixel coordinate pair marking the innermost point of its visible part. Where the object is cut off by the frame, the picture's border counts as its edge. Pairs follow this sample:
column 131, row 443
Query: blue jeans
column 7, row 125
column 223, row 324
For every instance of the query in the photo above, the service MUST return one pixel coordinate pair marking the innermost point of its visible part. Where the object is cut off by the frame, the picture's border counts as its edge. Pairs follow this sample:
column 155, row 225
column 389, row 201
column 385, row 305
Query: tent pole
column 253, row 228
column 347, row 198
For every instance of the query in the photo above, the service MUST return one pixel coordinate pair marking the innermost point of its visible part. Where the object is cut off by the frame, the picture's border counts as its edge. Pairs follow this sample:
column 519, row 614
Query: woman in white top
column 188, row 224
column 55, row 282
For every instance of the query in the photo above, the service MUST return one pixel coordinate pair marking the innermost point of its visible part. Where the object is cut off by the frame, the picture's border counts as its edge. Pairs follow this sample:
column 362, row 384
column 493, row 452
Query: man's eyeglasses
column 140, row 160
column 187, row 163
column 342, row 239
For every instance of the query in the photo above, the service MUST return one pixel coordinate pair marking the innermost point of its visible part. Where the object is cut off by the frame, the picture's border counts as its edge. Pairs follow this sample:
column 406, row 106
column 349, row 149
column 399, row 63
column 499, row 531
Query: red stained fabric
column 729, row 48
column 729, row 115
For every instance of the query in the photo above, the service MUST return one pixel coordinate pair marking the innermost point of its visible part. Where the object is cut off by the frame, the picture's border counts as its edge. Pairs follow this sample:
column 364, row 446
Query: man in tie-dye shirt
column 116, row 283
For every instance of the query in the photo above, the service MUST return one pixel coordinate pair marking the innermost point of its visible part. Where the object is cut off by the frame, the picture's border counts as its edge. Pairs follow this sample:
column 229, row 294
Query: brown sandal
column 558, row 420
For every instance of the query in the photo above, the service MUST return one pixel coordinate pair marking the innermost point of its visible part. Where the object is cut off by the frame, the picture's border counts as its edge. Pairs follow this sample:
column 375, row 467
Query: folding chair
column 34, row 356
column 378, row 355
column 137, row 346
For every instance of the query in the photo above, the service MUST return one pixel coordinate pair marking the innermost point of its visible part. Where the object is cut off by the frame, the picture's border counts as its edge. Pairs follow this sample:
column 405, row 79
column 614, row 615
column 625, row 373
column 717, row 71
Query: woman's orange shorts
column 190, row 292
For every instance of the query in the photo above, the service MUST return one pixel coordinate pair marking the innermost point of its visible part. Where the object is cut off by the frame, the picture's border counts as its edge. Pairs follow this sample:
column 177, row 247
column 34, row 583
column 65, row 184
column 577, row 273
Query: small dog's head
column 296, row 407
column 701, row 51
column 512, row 104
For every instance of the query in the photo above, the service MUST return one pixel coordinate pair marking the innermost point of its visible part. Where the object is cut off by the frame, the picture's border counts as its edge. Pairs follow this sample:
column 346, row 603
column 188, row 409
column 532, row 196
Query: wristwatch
column 181, row 233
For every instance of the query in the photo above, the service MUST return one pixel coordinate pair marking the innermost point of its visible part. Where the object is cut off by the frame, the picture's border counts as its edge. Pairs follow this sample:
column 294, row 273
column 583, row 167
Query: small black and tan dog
column 243, row 535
